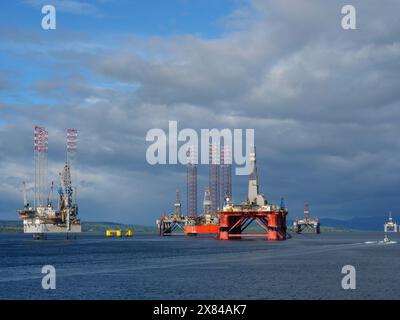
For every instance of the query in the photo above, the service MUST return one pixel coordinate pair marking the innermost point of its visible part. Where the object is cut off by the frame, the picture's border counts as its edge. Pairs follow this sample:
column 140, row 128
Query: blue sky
column 144, row 18
column 104, row 20
column 324, row 102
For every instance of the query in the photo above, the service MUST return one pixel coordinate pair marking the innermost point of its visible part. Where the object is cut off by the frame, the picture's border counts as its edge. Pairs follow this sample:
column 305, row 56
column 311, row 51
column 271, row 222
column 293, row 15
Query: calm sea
column 307, row 266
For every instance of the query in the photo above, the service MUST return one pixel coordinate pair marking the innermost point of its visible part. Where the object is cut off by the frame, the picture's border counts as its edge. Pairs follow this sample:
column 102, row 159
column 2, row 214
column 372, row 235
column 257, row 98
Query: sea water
column 308, row 266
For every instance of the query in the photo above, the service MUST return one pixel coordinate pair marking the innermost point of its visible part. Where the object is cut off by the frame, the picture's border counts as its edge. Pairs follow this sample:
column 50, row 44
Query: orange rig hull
column 233, row 224
column 273, row 224
column 201, row 229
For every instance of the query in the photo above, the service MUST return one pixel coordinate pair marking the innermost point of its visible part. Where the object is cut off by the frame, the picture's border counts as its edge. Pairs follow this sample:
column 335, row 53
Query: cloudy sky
column 324, row 102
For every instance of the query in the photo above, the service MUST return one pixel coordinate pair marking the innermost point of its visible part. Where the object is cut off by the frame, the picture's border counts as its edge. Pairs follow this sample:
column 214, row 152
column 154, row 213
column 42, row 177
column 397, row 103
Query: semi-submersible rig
column 232, row 220
column 45, row 217
column 307, row 224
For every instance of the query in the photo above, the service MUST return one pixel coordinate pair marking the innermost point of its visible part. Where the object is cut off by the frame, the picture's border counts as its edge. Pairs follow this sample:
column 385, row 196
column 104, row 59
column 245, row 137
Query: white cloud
column 70, row 6
column 324, row 102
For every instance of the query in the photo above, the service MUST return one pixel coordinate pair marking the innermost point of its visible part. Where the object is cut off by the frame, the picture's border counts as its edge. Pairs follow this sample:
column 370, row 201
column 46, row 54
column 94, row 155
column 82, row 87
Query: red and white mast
column 41, row 147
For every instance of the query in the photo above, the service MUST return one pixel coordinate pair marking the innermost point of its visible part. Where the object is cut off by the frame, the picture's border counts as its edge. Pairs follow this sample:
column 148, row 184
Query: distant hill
column 359, row 223
column 327, row 224
column 10, row 226
column 94, row 227
column 103, row 226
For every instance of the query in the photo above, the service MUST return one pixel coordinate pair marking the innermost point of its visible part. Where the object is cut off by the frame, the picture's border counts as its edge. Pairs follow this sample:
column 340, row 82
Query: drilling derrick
column 213, row 182
column 254, row 197
column 191, row 182
column 226, row 174
column 306, row 211
column 66, row 188
column 177, row 204
column 207, row 201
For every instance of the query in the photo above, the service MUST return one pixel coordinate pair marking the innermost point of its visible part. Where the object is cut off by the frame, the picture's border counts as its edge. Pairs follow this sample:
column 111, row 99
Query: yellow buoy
column 119, row 233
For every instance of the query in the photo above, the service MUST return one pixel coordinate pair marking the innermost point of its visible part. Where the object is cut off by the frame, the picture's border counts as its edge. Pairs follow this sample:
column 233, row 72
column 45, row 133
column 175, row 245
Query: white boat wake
column 381, row 242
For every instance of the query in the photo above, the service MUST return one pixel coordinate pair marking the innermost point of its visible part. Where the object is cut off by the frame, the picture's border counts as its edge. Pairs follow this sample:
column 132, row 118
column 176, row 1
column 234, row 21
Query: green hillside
column 91, row 227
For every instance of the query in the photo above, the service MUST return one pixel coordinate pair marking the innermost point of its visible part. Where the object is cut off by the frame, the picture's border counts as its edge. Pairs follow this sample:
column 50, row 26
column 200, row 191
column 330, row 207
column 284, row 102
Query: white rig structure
column 44, row 217
column 307, row 224
column 390, row 225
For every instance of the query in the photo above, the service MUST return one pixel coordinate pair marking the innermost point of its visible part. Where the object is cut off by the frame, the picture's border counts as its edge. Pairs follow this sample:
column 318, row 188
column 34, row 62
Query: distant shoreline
column 15, row 226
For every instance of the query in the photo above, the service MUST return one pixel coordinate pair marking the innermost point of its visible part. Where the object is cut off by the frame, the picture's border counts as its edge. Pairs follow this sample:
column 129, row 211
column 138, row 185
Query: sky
column 324, row 102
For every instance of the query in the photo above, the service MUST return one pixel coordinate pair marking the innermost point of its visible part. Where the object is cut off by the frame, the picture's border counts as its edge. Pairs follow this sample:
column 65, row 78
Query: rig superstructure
column 45, row 217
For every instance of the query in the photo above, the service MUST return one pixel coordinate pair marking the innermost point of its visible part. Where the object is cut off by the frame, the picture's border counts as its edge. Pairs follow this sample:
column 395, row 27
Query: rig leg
column 39, row 236
column 71, row 236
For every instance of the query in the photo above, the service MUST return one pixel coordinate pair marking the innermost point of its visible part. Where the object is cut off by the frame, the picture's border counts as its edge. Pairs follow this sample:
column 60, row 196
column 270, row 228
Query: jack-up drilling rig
column 44, row 218
column 207, row 222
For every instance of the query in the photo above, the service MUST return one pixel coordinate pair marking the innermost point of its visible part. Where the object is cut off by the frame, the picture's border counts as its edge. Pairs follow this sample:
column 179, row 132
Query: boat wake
column 381, row 242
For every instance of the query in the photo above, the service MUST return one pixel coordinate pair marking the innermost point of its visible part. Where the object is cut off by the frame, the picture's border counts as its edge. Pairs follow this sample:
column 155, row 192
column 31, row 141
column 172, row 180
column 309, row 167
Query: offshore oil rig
column 219, row 164
column 307, row 224
column 45, row 217
column 390, row 225
column 229, row 221
column 235, row 218
column 174, row 223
